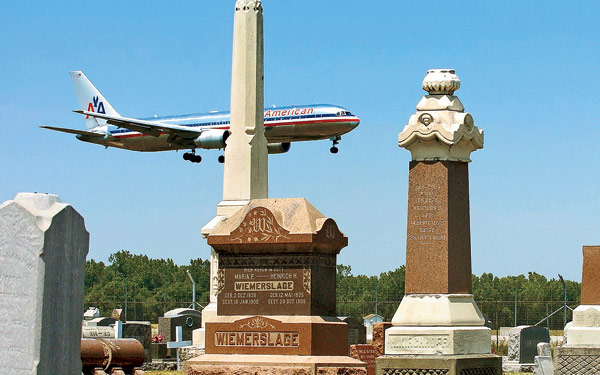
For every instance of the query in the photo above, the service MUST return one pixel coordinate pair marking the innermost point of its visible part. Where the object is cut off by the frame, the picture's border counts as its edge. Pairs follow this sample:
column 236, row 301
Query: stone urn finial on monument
column 438, row 326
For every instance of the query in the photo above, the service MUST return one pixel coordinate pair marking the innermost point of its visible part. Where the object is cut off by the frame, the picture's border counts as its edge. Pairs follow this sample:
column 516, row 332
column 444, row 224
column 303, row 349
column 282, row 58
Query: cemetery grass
column 175, row 372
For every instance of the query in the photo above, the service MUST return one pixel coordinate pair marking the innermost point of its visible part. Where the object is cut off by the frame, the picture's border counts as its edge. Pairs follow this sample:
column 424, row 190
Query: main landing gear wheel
column 191, row 156
column 333, row 150
column 221, row 159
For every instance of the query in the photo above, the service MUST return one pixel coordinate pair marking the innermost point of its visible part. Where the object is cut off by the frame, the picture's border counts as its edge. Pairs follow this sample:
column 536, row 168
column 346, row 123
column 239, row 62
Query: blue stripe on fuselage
column 222, row 118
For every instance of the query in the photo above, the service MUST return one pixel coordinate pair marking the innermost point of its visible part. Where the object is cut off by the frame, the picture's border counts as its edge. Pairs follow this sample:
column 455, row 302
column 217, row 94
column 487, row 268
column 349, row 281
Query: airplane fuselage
column 282, row 124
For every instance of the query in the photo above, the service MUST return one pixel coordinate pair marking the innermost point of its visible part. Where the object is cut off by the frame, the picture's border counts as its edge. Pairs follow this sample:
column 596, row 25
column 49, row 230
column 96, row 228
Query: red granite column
column 590, row 278
column 438, row 244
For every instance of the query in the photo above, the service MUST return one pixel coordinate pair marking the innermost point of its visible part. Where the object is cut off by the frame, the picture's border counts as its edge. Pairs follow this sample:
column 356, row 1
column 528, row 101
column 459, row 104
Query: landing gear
column 221, row 159
column 191, row 156
column 335, row 141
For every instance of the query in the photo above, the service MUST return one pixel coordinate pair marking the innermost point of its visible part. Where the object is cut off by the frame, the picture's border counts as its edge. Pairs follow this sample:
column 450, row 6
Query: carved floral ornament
column 441, row 130
column 257, row 323
column 259, row 226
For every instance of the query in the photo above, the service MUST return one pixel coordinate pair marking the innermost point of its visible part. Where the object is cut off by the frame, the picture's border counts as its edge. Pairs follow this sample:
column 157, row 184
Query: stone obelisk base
column 472, row 364
column 218, row 364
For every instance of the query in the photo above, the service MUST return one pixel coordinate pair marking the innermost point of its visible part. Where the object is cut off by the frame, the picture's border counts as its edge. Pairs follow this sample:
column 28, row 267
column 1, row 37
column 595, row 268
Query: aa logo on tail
column 95, row 106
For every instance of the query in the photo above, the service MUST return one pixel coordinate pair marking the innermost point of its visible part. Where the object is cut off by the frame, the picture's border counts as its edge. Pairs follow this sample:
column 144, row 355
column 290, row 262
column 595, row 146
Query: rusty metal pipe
column 95, row 353
column 126, row 352
column 109, row 353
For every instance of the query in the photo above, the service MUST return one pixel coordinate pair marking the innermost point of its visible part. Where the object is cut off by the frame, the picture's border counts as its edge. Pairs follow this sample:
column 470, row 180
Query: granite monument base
column 576, row 360
column 438, row 310
column 219, row 364
column 472, row 364
column 585, row 327
column 437, row 340
column 277, row 335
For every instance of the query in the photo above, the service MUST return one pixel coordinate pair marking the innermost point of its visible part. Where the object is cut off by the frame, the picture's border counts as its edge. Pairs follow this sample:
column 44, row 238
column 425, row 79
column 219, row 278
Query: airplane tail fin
column 90, row 99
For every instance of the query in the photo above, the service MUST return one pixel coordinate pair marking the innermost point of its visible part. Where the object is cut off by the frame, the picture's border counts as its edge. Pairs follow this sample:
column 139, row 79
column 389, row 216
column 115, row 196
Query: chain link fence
column 498, row 313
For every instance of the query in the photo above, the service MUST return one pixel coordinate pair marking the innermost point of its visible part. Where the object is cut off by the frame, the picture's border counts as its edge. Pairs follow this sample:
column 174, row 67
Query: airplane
column 283, row 125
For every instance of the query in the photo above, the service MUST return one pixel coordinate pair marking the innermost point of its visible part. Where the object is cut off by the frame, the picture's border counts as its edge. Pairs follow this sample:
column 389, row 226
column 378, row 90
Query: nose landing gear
column 335, row 141
column 191, row 156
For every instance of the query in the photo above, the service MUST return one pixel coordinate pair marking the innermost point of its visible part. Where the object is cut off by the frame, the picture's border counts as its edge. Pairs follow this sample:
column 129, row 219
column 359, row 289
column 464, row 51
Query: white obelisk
column 245, row 173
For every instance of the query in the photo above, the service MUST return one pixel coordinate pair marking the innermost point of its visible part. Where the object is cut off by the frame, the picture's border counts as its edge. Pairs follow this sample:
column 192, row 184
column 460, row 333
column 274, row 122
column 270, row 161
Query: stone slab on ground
column 219, row 364
column 43, row 246
column 189, row 352
column 576, row 360
column 482, row 364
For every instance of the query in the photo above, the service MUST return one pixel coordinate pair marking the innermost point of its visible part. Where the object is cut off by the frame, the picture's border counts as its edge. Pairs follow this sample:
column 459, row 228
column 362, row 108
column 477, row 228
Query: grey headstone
column 43, row 245
column 543, row 366
column 543, row 349
column 166, row 325
column 357, row 332
column 141, row 331
column 523, row 340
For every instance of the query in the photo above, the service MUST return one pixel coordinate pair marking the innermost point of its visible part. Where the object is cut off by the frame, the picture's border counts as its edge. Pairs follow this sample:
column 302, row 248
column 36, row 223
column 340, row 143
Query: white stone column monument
column 43, row 246
column 245, row 175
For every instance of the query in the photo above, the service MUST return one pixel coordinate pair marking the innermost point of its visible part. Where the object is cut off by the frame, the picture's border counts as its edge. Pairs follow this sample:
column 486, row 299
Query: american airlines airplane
column 106, row 127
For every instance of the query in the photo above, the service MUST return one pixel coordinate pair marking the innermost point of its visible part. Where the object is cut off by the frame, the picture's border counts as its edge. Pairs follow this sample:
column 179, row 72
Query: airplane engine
column 278, row 148
column 211, row 139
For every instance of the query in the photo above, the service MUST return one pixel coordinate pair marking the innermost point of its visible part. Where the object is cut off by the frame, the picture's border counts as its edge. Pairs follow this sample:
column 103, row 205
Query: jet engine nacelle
column 278, row 148
column 211, row 139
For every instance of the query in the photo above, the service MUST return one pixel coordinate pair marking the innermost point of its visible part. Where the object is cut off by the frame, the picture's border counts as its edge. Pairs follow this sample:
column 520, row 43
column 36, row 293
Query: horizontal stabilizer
column 74, row 131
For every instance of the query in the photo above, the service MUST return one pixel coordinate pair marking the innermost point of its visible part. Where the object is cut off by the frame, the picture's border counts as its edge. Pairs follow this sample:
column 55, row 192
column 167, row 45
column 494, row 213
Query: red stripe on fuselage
column 266, row 126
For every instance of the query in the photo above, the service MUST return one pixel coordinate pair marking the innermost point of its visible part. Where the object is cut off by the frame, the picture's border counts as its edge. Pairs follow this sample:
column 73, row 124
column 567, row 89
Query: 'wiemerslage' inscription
column 264, row 291
column 427, row 214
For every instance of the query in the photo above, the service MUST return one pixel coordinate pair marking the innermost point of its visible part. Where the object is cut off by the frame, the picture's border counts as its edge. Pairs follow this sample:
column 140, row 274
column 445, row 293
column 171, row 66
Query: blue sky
column 529, row 72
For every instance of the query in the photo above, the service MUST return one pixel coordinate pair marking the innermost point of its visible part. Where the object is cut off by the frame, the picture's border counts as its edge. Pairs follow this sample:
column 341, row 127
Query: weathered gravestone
column 543, row 361
column 366, row 353
column 357, row 332
column 43, row 245
column 187, row 319
column 118, row 314
column 378, row 341
column 141, row 331
column 523, row 341
column 91, row 313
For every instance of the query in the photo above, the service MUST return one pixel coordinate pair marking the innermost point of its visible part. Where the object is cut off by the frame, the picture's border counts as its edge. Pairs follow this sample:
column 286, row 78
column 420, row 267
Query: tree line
column 158, row 285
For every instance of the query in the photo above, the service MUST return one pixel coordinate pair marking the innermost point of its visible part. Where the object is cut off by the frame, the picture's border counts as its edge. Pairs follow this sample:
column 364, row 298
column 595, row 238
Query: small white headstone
column 43, row 245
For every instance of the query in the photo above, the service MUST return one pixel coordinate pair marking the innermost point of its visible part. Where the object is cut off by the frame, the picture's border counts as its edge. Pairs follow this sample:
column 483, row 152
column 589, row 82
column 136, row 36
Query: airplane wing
column 73, row 131
column 145, row 127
